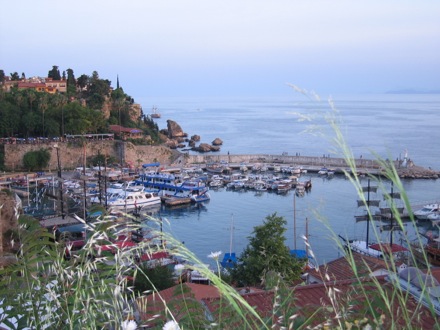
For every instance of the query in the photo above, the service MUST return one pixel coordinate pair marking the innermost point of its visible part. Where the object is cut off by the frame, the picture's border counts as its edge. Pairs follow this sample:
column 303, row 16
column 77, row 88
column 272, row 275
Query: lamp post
column 60, row 180
column 62, row 123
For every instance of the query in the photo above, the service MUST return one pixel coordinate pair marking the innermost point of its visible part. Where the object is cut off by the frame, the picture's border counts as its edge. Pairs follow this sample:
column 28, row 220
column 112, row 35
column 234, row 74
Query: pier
column 309, row 163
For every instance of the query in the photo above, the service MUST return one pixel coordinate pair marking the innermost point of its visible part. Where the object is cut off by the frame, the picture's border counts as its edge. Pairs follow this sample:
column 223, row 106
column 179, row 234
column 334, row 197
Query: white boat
column 276, row 168
column 236, row 184
column 243, row 168
column 283, row 186
column 113, row 189
column 216, row 183
column 434, row 217
column 133, row 198
column 425, row 211
column 260, row 186
column 300, row 190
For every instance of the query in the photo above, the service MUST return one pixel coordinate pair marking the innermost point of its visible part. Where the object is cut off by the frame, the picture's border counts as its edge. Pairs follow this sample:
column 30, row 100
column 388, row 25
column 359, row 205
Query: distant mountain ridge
column 413, row 91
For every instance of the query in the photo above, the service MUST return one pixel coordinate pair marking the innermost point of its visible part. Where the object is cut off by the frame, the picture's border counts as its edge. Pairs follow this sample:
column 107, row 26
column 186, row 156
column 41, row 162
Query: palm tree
column 31, row 97
column 60, row 101
column 43, row 103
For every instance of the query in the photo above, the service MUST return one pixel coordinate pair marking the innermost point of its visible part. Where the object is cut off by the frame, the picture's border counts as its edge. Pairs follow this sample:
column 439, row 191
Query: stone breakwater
column 312, row 164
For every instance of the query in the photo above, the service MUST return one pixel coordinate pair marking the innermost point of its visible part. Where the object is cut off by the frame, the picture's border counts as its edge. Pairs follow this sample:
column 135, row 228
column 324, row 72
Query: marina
column 192, row 223
column 378, row 123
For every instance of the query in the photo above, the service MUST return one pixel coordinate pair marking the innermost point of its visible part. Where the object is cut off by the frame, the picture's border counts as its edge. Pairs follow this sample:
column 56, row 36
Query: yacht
column 132, row 199
column 425, row 211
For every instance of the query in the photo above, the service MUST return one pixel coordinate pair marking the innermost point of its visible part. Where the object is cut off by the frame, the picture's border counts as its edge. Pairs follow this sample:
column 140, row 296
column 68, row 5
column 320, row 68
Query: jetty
column 406, row 169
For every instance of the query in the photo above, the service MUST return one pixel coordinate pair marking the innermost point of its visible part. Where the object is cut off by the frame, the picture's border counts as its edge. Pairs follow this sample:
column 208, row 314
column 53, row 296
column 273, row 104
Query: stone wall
column 72, row 155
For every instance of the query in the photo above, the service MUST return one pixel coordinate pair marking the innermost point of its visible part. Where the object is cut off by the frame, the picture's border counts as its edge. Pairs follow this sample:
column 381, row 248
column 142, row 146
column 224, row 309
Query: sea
column 390, row 126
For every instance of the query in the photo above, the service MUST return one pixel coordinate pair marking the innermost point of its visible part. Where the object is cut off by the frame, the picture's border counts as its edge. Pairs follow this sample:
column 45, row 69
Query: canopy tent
column 157, row 164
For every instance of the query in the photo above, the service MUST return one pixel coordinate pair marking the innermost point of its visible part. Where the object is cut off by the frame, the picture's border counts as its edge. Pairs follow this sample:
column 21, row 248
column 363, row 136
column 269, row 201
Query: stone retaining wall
column 72, row 155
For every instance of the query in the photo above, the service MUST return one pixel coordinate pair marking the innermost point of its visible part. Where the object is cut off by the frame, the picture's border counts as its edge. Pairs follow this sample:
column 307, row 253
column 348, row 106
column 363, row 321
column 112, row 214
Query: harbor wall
column 72, row 154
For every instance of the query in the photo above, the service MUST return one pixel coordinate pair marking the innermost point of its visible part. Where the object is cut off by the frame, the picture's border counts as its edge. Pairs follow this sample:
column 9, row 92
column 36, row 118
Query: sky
column 200, row 48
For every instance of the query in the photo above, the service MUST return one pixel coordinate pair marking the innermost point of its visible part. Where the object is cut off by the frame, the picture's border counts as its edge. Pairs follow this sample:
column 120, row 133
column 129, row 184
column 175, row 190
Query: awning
column 151, row 165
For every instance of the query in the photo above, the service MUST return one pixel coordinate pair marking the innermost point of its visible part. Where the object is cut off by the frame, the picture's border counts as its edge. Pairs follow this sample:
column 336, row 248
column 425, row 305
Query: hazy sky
column 229, row 47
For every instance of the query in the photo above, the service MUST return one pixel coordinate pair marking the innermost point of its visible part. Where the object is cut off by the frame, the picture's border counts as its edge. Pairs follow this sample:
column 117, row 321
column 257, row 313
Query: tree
column 83, row 81
column 15, row 76
column 36, row 160
column 54, row 73
column 10, row 115
column 43, row 100
column 2, row 77
column 71, row 83
column 160, row 278
column 267, row 252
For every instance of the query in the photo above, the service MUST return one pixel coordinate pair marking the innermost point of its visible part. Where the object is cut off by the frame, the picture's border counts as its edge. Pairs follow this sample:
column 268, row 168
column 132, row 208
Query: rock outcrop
column 417, row 172
column 217, row 142
column 174, row 130
column 205, row 147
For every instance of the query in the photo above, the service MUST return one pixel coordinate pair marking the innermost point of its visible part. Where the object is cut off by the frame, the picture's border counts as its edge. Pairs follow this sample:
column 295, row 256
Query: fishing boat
column 380, row 249
column 154, row 113
column 216, row 168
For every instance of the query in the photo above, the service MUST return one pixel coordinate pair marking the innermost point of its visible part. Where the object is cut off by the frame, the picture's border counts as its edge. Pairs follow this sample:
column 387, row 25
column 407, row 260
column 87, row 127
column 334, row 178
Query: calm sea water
column 387, row 125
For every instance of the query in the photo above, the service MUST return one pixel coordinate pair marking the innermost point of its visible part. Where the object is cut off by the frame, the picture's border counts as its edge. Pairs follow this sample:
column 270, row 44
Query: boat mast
column 231, row 234
column 391, row 214
column 307, row 237
column 369, row 214
column 294, row 221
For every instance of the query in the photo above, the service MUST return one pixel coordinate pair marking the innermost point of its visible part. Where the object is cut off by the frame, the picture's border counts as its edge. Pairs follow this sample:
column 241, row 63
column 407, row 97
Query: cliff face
column 134, row 110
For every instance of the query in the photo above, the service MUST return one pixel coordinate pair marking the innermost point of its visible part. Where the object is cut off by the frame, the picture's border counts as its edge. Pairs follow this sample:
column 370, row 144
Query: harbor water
column 389, row 125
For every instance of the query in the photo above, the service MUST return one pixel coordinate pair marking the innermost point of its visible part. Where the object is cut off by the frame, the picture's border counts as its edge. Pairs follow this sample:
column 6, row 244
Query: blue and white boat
column 170, row 185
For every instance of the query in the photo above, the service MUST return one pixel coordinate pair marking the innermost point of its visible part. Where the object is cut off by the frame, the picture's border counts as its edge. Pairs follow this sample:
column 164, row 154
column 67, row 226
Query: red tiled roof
column 341, row 269
column 30, row 85
column 154, row 303
column 313, row 303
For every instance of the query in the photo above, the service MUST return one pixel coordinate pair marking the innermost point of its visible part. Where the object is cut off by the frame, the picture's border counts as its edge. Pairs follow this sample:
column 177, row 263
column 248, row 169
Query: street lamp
column 62, row 123
column 60, row 180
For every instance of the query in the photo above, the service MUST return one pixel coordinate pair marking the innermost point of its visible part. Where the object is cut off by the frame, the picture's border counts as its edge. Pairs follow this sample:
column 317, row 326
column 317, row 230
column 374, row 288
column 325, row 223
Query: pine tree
column 267, row 252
